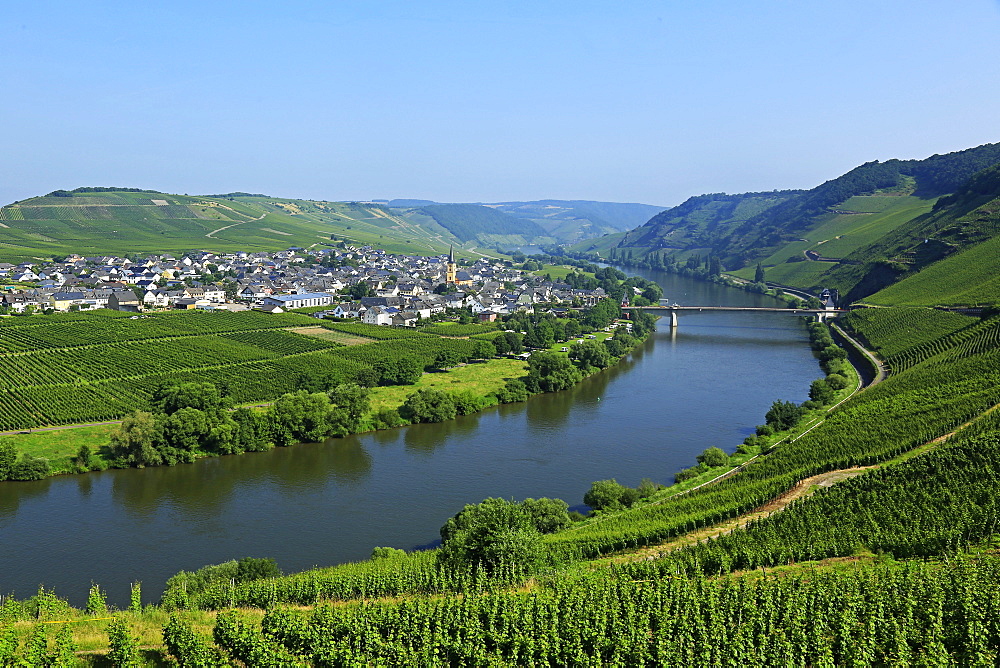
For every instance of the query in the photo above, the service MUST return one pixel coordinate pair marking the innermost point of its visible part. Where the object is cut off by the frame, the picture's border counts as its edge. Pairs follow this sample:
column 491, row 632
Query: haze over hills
column 541, row 222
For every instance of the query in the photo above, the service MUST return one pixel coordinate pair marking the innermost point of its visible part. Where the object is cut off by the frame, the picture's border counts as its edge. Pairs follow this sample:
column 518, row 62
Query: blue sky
column 457, row 101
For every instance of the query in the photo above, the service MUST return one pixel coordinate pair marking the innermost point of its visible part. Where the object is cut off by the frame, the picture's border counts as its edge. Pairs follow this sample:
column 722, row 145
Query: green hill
column 753, row 227
column 101, row 221
column 469, row 222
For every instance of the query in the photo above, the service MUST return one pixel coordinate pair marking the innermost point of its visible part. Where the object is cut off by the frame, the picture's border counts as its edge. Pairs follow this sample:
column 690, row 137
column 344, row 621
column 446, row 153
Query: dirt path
column 776, row 505
column 58, row 428
column 213, row 232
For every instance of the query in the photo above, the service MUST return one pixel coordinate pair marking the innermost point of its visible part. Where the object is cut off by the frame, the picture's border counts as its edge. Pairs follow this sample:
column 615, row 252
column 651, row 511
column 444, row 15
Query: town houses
column 363, row 283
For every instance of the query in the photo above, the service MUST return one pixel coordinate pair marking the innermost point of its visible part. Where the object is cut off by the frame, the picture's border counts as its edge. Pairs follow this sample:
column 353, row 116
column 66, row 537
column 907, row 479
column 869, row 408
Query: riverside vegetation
column 336, row 391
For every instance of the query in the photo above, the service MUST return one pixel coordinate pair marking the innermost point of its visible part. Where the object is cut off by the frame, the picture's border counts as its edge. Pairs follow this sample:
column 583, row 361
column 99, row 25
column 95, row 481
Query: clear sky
column 506, row 100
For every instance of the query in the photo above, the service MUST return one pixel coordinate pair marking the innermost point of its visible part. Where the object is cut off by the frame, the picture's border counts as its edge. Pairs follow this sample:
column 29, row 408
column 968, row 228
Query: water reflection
column 424, row 439
column 14, row 493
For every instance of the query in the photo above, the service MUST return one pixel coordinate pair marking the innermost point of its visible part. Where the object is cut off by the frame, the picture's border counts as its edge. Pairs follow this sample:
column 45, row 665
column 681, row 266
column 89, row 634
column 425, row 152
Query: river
column 706, row 383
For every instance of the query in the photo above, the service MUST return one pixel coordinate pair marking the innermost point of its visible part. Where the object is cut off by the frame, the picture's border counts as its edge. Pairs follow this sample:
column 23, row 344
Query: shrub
column 713, row 457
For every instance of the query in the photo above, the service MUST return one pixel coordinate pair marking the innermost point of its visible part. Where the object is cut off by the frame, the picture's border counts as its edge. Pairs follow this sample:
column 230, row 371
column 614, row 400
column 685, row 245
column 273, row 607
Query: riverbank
column 62, row 445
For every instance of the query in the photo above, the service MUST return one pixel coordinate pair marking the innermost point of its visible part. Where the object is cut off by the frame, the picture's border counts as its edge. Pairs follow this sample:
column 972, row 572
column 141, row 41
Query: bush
column 837, row 381
column 387, row 418
column 30, row 468
column 513, row 391
column 713, row 457
column 687, row 474
column 495, row 535
column 604, row 494
column 387, row 552
column 427, row 405
column 8, row 457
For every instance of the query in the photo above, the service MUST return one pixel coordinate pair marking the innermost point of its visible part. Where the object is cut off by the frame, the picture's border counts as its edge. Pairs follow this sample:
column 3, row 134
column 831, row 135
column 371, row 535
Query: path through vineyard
column 801, row 489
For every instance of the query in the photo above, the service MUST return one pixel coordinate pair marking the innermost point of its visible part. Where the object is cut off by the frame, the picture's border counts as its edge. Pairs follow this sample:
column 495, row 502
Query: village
column 360, row 283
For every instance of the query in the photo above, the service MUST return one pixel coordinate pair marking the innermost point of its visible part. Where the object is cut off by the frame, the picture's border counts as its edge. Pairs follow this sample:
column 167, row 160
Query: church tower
column 452, row 267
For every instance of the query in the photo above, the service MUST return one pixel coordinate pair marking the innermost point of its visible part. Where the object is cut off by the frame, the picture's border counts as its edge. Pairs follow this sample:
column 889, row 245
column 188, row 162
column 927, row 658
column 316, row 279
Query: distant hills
column 877, row 224
column 117, row 220
column 505, row 225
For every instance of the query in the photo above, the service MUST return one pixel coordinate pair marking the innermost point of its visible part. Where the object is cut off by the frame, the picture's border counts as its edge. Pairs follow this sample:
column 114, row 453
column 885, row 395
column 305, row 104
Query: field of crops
column 930, row 614
column 448, row 329
column 86, row 367
column 377, row 332
column 907, row 336
column 970, row 277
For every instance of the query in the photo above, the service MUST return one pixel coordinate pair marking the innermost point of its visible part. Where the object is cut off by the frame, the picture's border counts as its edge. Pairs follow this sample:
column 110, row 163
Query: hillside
column 121, row 221
column 483, row 224
column 513, row 224
column 569, row 221
column 101, row 221
column 754, row 227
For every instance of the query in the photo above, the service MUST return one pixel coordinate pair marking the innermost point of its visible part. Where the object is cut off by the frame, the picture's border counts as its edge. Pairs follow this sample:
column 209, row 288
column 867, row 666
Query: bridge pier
column 673, row 319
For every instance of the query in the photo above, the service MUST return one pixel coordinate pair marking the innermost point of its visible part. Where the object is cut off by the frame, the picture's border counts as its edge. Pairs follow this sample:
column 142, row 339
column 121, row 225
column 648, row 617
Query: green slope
column 968, row 278
column 122, row 221
column 747, row 228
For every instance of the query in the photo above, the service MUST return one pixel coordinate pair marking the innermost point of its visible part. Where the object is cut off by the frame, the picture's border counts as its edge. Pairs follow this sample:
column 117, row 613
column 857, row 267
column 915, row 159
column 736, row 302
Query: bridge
column 820, row 313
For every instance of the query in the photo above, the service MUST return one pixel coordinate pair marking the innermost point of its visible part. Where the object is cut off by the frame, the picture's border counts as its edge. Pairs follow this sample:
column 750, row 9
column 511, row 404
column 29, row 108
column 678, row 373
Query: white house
column 302, row 300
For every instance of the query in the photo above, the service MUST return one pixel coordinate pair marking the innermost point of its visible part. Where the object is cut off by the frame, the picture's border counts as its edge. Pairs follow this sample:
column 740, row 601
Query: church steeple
column 452, row 268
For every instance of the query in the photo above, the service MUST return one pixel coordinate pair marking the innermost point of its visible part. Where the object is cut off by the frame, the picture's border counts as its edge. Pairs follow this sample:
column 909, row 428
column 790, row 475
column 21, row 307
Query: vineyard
column 90, row 367
column 920, row 614
column 907, row 336
column 459, row 330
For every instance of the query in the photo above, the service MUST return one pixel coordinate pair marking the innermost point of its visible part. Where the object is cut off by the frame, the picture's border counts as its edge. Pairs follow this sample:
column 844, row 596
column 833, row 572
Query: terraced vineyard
column 75, row 368
column 907, row 336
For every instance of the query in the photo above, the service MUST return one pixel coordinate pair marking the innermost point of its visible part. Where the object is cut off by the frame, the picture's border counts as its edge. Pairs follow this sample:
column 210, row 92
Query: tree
column 186, row 429
column 427, row 405
column 758, row 276
column 590, row 354
column 783, row 415
column 301, row 416
column 400, row 371
column 548, row 372
column 483, row 350
column 572, row 329
column 8, row 456
column 604, row 494
column 548, row 515
column 202, row 396
column 515, row 343
column 135, row 441
column 445, row 359
column 713, row 457
column 349, row 403
column 495, row 535
column 820, row 391
column 252, row 434
column 250, row 568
